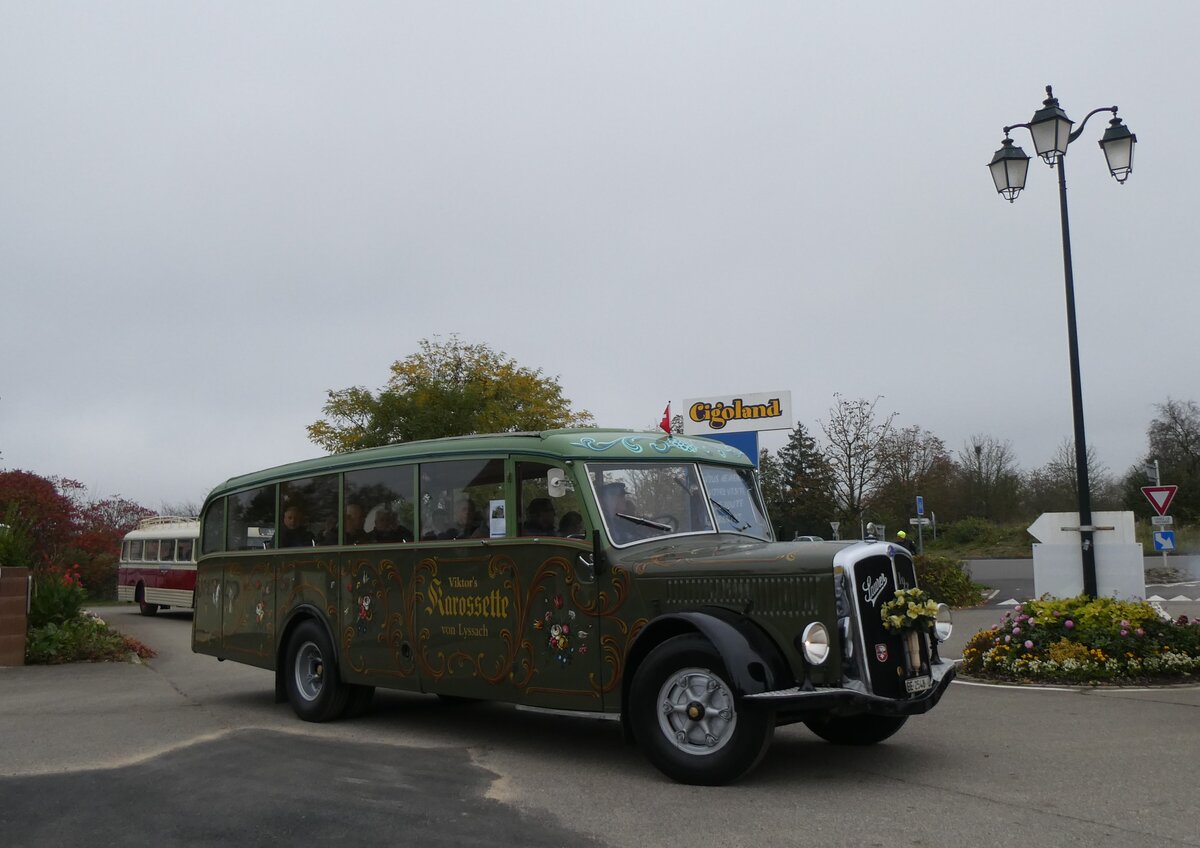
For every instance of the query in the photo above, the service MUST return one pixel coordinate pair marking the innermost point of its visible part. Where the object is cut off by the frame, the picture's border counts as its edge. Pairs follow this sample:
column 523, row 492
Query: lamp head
column 1009, row 166
column 1051, row 129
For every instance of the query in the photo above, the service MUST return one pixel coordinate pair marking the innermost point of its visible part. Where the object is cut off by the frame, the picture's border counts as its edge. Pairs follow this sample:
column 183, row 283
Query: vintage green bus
column 606, row 572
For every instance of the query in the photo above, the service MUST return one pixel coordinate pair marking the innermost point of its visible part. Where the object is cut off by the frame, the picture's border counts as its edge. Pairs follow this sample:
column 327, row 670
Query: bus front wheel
column 314, row 689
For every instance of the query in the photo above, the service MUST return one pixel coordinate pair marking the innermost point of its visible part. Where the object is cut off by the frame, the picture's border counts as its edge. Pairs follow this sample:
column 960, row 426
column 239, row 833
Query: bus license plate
column 917, row 684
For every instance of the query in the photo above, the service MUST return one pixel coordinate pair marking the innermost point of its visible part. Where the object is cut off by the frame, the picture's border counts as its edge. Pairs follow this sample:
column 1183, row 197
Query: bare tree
column 990, row 478
column 855, row 451
column 1054, row 487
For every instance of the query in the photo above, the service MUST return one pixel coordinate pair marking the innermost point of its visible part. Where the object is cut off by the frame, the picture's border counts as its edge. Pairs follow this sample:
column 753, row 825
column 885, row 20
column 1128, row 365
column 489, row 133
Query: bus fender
column 752, row 659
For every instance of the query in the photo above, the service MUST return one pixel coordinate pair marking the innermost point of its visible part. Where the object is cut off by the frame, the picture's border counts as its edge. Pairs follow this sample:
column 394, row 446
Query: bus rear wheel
column 314, row 689
column 143, row 607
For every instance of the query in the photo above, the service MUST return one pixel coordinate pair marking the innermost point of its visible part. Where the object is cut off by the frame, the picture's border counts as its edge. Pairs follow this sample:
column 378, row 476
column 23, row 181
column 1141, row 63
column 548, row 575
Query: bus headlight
column 815, row 641
column 943, row 625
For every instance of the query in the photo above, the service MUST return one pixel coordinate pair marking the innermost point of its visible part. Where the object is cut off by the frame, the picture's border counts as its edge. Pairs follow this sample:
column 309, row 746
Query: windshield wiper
column 646, row 522
column 728, row 513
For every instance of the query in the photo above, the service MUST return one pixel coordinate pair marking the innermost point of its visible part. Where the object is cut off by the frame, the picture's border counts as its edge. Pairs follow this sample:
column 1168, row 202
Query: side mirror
column 557, row 484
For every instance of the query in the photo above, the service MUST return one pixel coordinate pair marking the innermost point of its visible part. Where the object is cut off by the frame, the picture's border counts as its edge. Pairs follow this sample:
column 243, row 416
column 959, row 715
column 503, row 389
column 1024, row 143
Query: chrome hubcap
column 696, row 711
column 310, row 671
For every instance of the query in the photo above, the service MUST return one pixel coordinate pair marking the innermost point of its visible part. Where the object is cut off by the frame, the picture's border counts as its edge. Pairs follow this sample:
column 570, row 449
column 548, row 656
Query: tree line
column 862, row 467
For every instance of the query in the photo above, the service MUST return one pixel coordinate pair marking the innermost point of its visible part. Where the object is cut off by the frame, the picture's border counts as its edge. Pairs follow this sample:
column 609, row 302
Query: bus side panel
column 248, row 610
column 309, row 580
column 206, row 622
column 375, row 636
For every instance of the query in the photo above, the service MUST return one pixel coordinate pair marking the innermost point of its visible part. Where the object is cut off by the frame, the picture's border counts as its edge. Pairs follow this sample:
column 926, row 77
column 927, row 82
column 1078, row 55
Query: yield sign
column 1160, row 497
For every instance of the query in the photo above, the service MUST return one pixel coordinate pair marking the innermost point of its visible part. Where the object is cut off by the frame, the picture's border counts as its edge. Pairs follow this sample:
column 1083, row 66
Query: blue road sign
column 1164, row 540
column 920, row 505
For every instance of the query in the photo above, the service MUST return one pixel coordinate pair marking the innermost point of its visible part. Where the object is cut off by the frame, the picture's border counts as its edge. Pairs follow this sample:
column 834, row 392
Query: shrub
column 945, row 580
column 84, row 638
column 1086, row 640
column 58, row 596
column 971, row 531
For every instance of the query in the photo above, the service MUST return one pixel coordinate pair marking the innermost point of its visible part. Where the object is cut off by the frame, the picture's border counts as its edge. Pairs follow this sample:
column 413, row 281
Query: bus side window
column 250, row 513
column 166, row 550
column 541, row 514
column 184, row 551
column 213, row 539
column 135, row 550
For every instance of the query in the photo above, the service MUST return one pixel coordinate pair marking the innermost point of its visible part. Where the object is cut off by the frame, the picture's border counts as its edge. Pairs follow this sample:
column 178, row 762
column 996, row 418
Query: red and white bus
column 158, row 564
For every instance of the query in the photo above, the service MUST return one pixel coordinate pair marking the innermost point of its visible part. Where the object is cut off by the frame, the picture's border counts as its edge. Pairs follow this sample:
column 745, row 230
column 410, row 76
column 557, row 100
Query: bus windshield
column 640, row 501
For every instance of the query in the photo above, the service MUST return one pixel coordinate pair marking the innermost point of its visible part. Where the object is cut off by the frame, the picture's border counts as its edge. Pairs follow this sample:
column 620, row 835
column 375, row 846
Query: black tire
column 314, row 689
column 687, row 719
column 145, row 608
column 856, row 730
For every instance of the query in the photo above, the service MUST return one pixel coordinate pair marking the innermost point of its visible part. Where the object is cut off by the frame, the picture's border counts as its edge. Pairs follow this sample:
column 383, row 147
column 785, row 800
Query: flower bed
column 1086, row 640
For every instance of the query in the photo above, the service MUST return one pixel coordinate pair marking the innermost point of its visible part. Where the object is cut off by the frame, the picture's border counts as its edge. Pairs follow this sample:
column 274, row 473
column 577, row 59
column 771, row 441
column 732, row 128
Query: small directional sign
column 920, row 505
column 1160, row 497
column 1159, row 520
column 1164, row 540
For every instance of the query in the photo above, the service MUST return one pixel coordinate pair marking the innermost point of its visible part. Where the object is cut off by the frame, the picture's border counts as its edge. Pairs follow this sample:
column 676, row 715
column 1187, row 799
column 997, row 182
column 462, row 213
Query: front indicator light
column 943, row 624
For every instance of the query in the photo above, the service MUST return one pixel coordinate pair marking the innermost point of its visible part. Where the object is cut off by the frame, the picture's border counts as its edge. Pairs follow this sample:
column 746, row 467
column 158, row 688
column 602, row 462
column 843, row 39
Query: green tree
column 1173, row 439
column 804, row 492
column 447, row 388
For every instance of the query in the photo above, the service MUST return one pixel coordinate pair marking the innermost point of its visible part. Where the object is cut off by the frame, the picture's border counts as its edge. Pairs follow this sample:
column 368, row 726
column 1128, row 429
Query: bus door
column 557, row 664
column 377, row 531
column 505, row 606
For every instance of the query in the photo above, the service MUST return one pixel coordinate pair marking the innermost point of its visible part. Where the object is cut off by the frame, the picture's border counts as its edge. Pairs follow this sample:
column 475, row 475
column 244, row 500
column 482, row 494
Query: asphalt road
column 188, row 751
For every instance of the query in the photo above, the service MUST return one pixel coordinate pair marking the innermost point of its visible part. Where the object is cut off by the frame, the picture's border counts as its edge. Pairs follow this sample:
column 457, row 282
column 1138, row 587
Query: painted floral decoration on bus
column 362, row 590
column 558, row 627
column 660, row 444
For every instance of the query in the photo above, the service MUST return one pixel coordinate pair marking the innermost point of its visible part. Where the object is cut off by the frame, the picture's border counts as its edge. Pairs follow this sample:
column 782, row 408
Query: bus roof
column 165, row 527
column 580, row 443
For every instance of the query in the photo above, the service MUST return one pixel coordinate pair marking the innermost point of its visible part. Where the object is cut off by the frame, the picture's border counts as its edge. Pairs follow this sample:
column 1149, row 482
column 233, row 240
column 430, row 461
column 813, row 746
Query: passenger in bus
column 388, row 528
column 467, row 523
column 352, row 526
column 438, row 523
column 539, row 518
column 571, row 525
column 295, row 534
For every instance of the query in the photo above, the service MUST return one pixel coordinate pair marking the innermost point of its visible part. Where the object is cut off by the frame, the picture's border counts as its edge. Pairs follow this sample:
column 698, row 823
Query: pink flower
column 1124, row 632
column 1140, row 632
column 1124, row 623
column 1016, row 631
column 1070, row 625
column 1028, row 645
column 1007, row 639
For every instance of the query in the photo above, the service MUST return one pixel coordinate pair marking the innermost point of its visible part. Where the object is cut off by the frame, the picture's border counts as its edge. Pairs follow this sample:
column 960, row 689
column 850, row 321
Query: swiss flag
column 666, row 420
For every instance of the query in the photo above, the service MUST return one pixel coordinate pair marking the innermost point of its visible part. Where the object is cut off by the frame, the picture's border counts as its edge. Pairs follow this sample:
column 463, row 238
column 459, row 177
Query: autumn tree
column 69, row 528
column 447, row 388
column 854, row 450
column 915, row 462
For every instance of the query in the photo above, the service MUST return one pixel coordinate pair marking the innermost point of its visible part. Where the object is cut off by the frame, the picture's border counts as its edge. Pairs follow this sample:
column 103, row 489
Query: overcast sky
column 212, row 213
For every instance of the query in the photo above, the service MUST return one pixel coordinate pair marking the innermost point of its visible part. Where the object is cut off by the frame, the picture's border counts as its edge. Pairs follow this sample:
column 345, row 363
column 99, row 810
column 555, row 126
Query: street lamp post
column 1052, row 134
